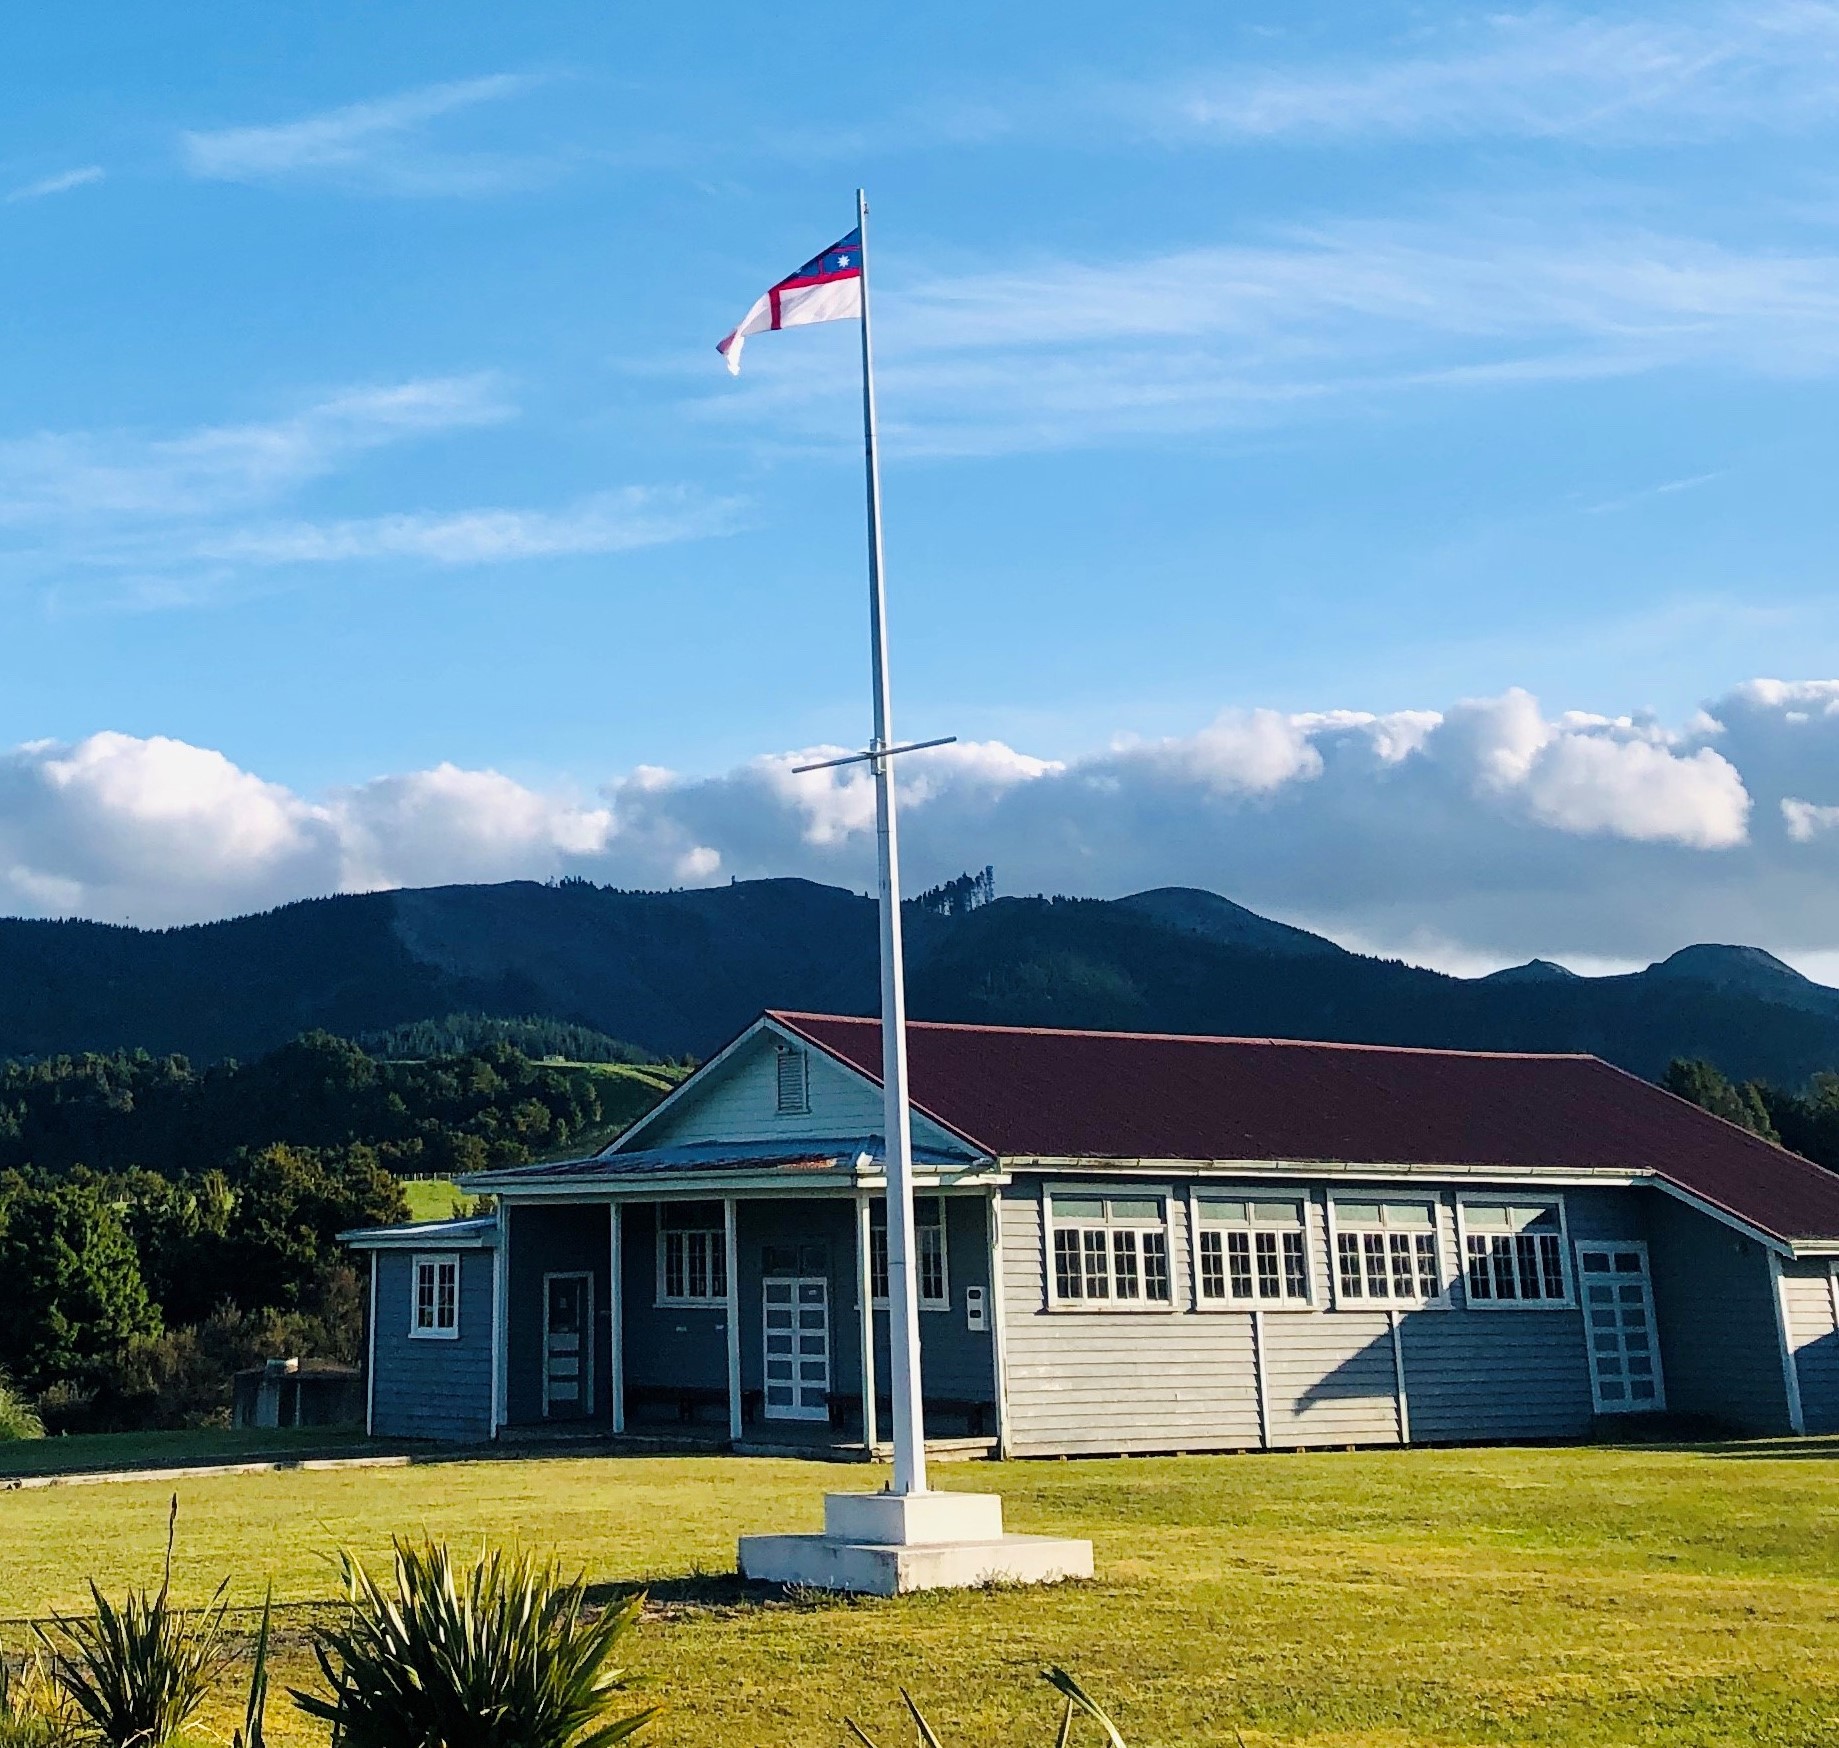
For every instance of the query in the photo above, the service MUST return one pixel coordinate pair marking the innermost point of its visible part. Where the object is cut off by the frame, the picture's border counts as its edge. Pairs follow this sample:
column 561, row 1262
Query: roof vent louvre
column 794, row 1082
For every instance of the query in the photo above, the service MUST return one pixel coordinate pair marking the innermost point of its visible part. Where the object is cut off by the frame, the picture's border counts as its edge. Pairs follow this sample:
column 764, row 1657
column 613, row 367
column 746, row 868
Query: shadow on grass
column 726, row 1593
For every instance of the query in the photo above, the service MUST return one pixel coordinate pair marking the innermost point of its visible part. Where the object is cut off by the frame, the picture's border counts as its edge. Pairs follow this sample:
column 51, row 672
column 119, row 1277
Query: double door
column 1618, row 1303
column 796, row 1312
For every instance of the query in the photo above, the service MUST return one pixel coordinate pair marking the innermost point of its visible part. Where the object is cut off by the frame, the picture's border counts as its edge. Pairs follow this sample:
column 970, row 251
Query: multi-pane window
column 1252, row 1252
column 1110, row 1249
column 1387, row 1251
column 692, row 1254
column 1514, row 1253
column 929, row 1232
column 436, row 1313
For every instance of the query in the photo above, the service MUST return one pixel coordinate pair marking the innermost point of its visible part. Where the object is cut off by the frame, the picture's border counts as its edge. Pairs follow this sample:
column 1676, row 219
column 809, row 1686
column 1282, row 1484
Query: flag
column 828, row 288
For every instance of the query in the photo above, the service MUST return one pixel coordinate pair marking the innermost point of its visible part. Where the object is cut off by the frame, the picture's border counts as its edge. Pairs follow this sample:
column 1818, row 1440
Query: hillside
column 675, row 973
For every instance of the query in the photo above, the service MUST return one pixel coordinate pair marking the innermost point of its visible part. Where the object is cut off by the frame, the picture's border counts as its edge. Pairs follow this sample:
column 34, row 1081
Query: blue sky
column 363, row 422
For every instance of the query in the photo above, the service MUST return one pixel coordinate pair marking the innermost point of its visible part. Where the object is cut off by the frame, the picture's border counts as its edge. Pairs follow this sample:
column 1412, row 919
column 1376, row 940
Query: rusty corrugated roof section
column 1025, row 1093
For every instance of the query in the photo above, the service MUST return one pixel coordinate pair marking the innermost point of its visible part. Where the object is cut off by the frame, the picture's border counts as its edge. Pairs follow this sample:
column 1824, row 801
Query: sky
column 1372, row 461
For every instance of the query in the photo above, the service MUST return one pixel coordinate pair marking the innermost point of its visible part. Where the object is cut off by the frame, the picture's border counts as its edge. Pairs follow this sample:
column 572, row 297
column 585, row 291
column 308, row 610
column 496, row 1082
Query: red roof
column 1025, row 1093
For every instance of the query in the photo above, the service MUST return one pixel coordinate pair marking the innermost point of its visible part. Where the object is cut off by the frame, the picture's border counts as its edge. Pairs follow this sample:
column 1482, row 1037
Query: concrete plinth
column 885, row 1544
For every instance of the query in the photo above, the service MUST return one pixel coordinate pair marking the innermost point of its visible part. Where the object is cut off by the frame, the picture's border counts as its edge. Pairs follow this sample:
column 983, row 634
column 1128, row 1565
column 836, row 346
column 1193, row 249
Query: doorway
column 1618, row 1298
column 797, row 1347
column 568, row 1346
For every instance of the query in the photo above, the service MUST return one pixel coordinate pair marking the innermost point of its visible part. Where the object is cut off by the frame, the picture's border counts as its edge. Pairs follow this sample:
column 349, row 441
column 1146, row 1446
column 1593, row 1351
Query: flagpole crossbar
column 912, row 746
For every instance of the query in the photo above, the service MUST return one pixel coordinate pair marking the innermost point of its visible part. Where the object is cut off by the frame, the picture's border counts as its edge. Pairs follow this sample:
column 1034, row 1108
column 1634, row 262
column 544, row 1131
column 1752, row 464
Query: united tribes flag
column 828, row 288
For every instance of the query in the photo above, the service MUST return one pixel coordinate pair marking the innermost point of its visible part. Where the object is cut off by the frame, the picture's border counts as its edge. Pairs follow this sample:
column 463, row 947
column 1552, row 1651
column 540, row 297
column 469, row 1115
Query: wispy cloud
column 116, row 520
column 376, row 145
column 1064, row 353
column 1545, row 74
column 605, row 522
column 85, row 476
column 62, row 183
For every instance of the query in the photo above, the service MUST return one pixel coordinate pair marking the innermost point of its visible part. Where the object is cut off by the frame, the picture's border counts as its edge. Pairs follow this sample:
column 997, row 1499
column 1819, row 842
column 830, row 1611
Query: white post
column 733, row 1320
column 501, row 1315
column 370, row 1356
column 616, row 1318
column 865, row 1286
column 903, row 1285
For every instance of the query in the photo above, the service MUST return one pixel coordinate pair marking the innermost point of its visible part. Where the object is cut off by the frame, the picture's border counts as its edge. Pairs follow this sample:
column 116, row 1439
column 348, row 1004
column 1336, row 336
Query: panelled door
column 1618, row 1302
column 568, row 1346
column 797, row 1313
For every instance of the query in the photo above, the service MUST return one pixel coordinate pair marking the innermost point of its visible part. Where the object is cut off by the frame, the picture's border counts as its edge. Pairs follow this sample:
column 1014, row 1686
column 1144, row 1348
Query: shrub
column 137, row 1672
column 18, row 1418
column 504, row 1655
column 29, row 1712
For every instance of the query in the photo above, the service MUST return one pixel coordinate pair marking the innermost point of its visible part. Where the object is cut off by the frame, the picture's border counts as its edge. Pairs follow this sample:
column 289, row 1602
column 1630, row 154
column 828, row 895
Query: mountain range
column 676, row 973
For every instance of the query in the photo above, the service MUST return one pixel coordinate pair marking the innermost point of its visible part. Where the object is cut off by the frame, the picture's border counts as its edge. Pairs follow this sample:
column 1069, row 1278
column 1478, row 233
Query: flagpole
column 903, row 1284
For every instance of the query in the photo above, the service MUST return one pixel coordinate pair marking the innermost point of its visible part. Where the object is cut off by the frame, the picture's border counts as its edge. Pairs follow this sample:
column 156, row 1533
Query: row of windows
column 1251, row 1252
column 693, row 1254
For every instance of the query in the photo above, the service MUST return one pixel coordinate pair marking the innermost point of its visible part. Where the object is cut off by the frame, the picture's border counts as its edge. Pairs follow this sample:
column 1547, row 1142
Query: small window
column 794, row 1082
column 1110, row 1250
column 1386, row 1252
column 436, row 1312
column 692, row 1254
column 1252, row 1253
column 929, row 1232
column 1513, row 1253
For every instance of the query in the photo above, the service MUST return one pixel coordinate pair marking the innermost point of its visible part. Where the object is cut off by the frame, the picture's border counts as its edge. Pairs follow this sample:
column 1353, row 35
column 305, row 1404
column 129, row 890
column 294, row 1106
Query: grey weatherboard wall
column 1193, row 1379
column 432, row 1389
column 1714, row 1306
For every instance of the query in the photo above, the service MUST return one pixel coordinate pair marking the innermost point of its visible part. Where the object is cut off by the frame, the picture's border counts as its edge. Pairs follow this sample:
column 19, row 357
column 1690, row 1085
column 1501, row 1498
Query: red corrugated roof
column 1026, row 1093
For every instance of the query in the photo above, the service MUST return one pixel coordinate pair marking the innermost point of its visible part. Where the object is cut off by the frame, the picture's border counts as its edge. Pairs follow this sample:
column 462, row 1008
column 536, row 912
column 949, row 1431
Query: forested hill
column 676, row 973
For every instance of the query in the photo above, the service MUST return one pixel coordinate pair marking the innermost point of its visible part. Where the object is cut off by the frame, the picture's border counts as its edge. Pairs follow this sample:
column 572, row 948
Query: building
column 1129, row 1242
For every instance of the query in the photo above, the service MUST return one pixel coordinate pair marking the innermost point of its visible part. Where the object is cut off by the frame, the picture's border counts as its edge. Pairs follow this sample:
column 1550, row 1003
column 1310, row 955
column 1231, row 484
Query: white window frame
column 878, row 1252
column 1199, row 1227
column 1341, row 1299
column 436, row 1261
column 716, row 1232
column 1566, row 1261
column 1111, row 1304
column 786, row 1054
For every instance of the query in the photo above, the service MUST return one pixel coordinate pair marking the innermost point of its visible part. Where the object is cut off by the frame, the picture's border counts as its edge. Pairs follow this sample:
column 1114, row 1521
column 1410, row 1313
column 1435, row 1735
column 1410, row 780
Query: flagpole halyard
column 903, row 1283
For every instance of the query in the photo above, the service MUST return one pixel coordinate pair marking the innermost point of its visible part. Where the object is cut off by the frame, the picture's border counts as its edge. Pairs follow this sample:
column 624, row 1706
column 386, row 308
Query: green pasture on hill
column 1605, row 1595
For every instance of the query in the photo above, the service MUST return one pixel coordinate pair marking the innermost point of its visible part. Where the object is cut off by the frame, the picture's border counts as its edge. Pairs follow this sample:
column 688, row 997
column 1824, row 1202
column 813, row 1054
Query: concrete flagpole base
column 886, row 1544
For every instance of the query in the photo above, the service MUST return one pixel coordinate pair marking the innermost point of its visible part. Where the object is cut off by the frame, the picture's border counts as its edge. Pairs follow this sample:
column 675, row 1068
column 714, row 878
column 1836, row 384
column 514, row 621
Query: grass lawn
column 1609, row 1595
column 148, row 1450
column 434, row 1198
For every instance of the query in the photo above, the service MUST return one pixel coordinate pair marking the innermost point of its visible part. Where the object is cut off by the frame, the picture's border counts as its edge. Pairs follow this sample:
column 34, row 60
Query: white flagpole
column 903, row 1283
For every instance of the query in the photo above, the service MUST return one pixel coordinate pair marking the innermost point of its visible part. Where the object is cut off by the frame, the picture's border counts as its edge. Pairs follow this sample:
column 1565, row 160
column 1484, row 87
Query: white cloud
column 62, row 183
column 1490, row 831
column 374, row 146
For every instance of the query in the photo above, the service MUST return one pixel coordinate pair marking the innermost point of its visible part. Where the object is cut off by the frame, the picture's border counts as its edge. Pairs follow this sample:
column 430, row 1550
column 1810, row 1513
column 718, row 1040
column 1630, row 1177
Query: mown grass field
column 1608, row 1595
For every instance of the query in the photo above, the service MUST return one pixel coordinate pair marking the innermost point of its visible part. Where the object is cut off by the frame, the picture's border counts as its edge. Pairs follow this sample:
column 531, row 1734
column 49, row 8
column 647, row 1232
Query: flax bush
column 134, row 1673
column 18, row 1418
column 503, row 1654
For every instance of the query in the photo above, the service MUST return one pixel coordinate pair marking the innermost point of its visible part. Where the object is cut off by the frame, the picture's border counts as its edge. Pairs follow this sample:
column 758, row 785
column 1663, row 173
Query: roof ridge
column 791, row 1016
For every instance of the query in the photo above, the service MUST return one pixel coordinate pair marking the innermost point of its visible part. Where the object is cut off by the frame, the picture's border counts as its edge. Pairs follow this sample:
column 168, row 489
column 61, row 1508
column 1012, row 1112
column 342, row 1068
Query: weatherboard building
column 1127, row 1242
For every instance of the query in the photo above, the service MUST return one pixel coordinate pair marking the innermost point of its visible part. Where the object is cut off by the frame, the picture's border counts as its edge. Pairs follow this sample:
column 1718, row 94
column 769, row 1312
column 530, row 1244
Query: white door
column 1618, row 1300
column 797, row 1309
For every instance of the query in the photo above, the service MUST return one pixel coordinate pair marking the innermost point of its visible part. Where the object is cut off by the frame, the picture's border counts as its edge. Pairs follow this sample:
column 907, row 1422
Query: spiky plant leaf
column 1076, row 1695
column 502, row 1655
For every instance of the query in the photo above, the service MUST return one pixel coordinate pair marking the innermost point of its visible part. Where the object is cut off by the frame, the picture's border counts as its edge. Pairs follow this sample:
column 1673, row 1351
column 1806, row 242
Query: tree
column 291, row 1203
column 73, row 1297
column 1745, row 1104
